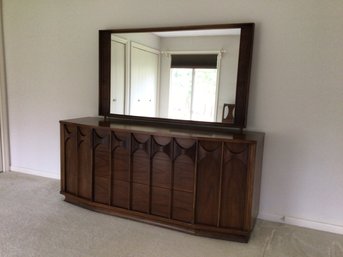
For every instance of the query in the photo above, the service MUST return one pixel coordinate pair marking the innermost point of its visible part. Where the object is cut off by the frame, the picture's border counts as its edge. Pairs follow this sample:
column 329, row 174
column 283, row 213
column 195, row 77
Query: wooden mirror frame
column 242, row 86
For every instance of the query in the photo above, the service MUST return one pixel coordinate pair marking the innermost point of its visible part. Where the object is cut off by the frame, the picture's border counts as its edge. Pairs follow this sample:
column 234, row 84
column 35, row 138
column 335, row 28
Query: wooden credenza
column 198, row 182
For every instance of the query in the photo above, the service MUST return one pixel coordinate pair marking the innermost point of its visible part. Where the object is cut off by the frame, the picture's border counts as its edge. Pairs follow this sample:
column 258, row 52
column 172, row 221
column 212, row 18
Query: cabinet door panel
column 184, row 173
column 184, row 164
column 161, row 170
column 182, row 206
column 161, row 154
column 141, row 158
column 234, row 185
column 102, row 166
column 140, row 167
column 160, row 201
column 121, row 165
column 70, row 151
column 85, row 162
column 120, row 194
column 121, row 156
column 208, row 181
column 140, row 198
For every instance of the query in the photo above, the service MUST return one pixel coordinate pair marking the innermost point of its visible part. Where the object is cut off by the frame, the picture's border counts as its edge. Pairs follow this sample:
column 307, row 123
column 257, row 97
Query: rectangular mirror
column 194, row 75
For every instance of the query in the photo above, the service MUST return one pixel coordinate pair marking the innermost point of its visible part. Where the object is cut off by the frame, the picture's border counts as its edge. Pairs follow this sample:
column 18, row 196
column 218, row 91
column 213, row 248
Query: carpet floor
column 36, row 222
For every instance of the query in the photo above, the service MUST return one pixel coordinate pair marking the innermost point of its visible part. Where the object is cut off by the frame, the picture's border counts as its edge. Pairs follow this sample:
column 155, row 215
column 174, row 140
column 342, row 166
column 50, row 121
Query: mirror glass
column 183, row 75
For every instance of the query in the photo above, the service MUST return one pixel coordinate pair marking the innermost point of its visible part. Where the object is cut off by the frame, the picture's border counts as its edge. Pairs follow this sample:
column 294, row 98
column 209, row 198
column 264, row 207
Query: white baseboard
column 338, row 229
column 35, row 172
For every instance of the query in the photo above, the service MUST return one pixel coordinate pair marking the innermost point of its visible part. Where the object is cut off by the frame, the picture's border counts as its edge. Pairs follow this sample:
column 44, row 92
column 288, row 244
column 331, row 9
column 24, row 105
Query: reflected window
column 193, row 87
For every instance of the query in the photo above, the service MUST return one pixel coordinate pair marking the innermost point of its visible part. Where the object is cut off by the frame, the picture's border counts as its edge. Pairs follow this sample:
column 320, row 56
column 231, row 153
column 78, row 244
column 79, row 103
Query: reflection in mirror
column 185, row 75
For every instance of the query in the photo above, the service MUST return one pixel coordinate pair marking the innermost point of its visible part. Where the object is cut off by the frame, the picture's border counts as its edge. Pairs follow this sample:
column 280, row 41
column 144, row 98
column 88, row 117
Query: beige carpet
column 35, row 221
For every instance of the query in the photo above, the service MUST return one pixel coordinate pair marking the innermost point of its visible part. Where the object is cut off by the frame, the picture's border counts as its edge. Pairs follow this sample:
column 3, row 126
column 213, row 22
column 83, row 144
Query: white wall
column 146, row 39
column 296, row 86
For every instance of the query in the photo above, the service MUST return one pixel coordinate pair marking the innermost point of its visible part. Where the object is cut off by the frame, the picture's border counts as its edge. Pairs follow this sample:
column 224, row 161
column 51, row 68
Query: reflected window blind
column 195, row 61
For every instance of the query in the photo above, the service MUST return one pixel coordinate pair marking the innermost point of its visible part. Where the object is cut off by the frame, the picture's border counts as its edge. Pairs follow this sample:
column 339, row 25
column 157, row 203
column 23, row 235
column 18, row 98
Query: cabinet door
column 183, row 179
column 70, row 158
column 102, row 177
column 234, row 185
column 161, row 175
column 120, row 154
column 160, row 201
column 120, row 157
column 84, row 139
column 182, row 206
column 140, row 198
column 140, row 152
column 140, row 162
column 208, row 182
column 184, row 164
column 161, row 161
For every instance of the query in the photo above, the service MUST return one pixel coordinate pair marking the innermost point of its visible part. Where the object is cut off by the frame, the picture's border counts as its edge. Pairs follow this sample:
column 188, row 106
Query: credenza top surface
column 158, row 130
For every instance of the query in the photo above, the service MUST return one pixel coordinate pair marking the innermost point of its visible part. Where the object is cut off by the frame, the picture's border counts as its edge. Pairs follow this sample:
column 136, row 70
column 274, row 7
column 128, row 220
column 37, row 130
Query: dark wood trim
column 243, row 77
column 172, row 160
column 249, row 182
column 92, row 161
column 110, row 181
column 150, row 176
column 156, row 129
column 255, row 205
column 220, row 185
column 195, row 181
column 62, row 152
column 131, row 171
column 104, row 72
column 179, row 28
